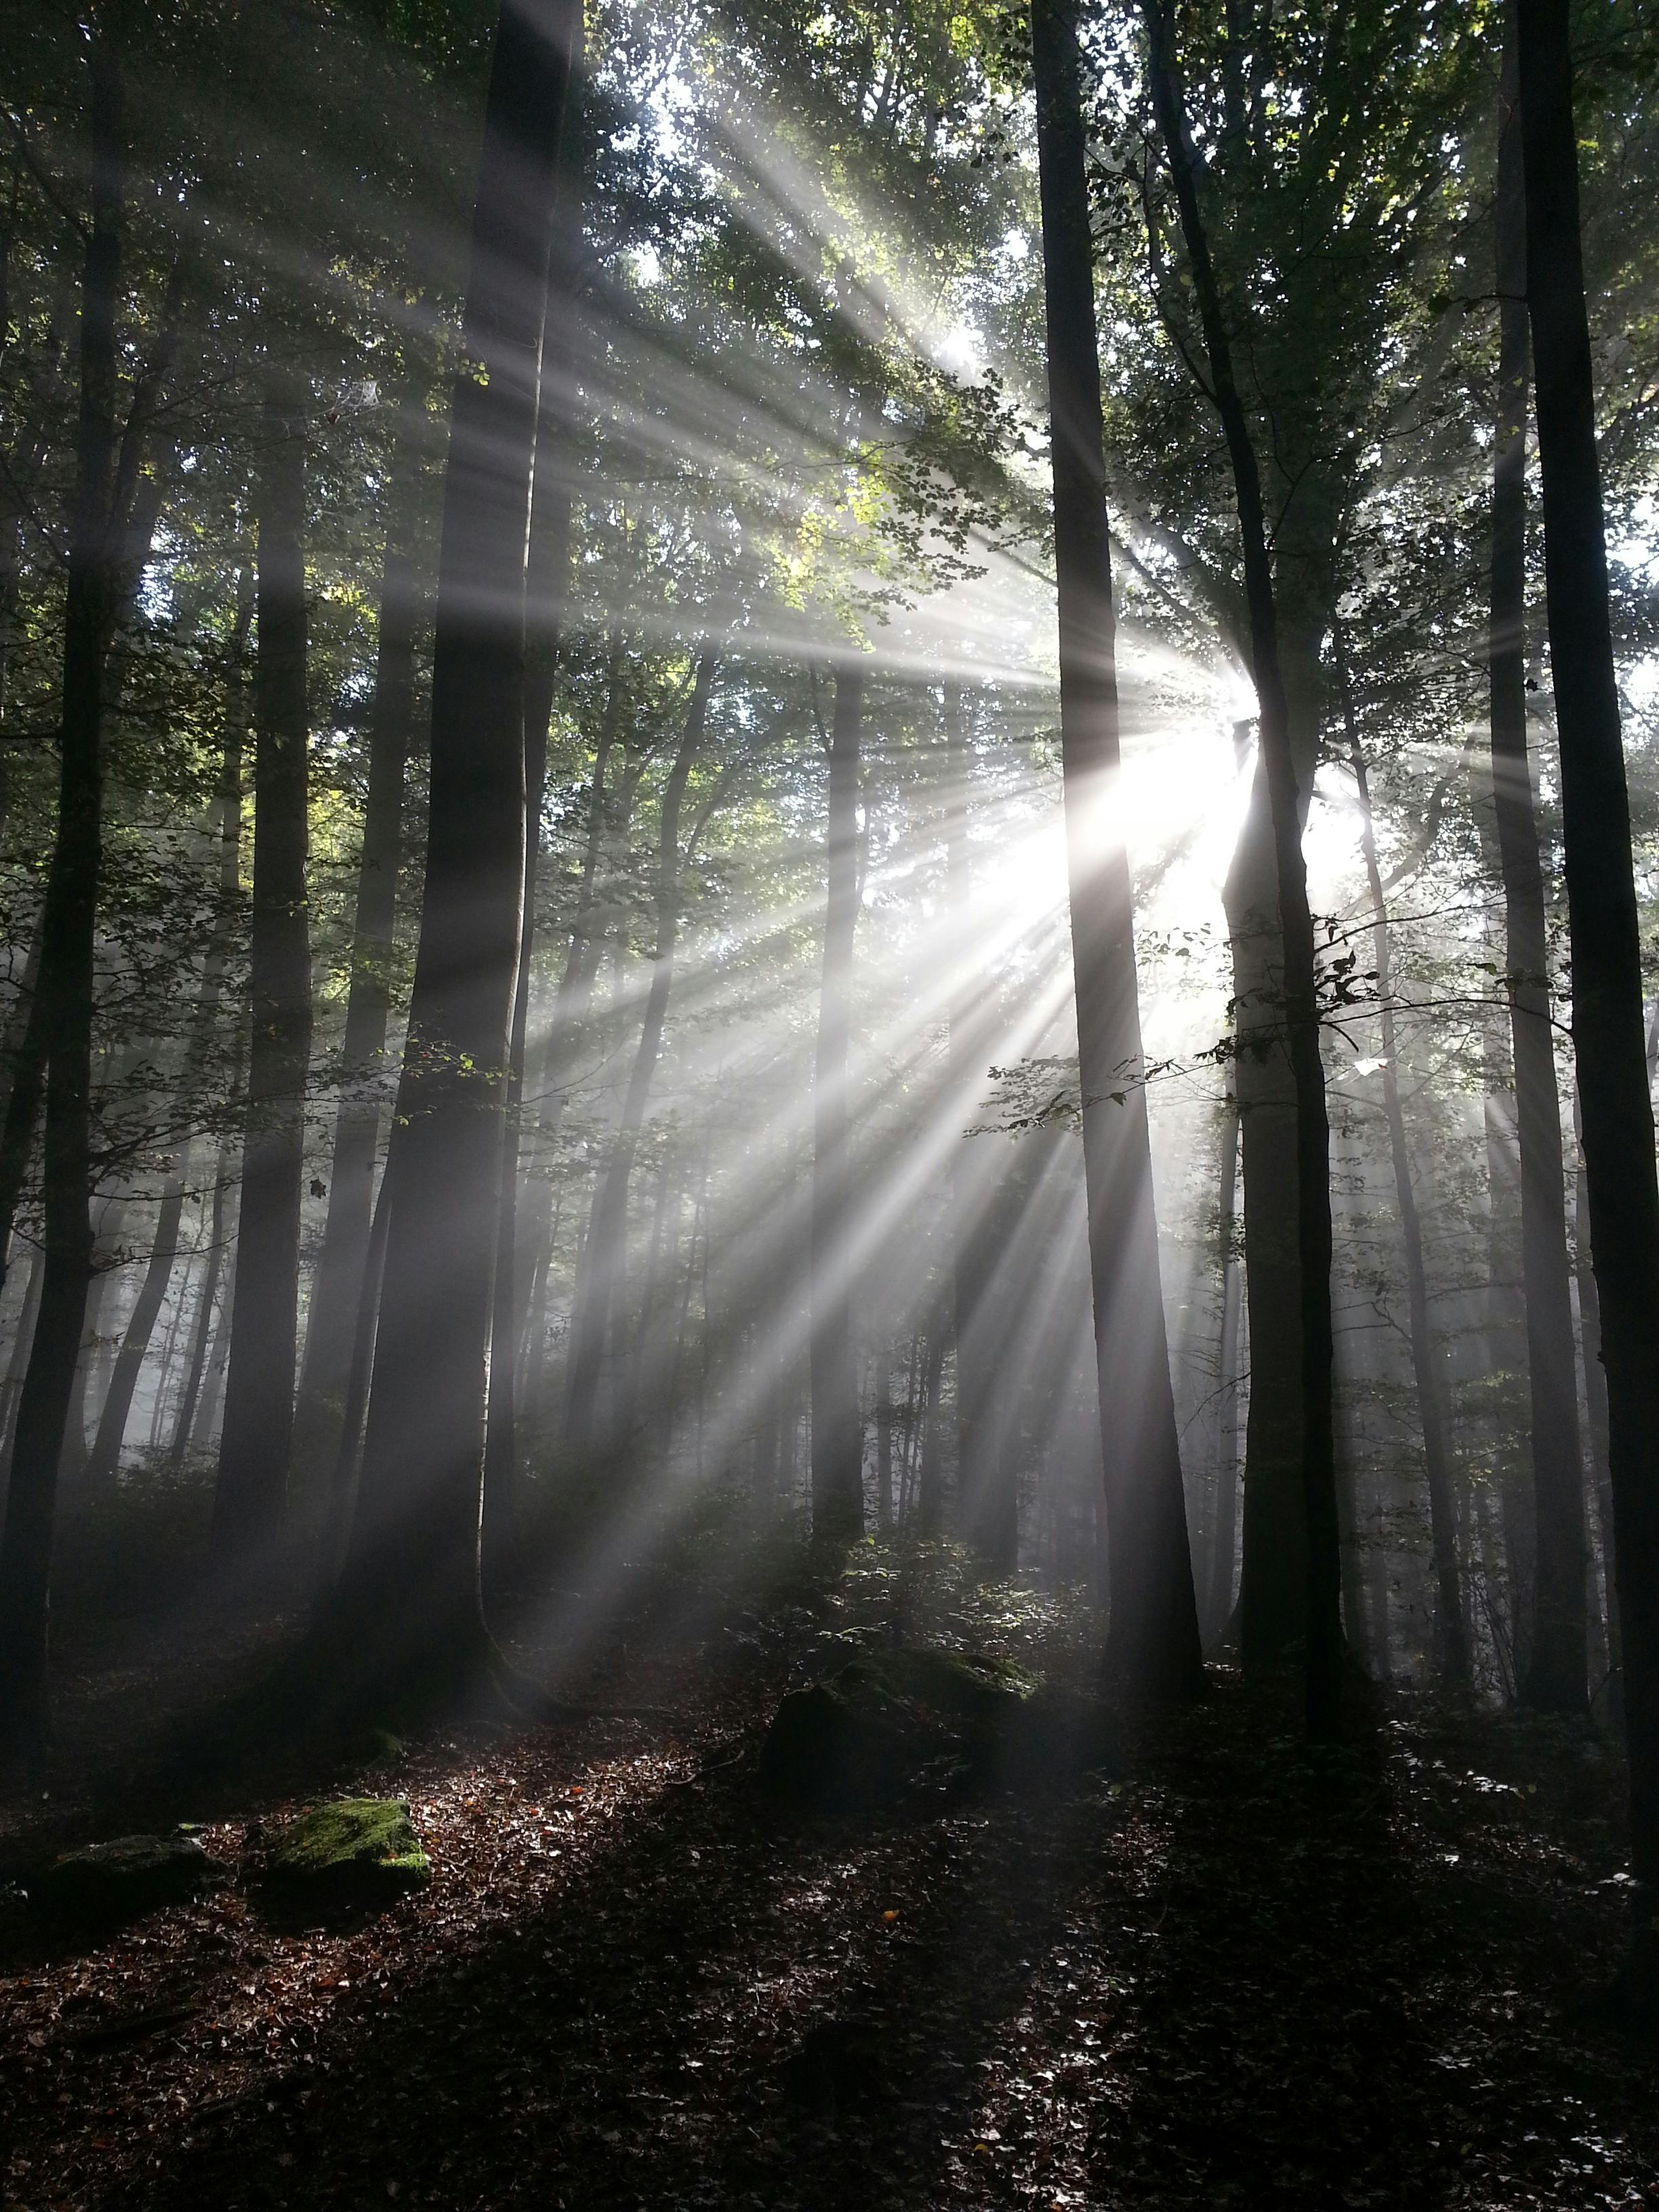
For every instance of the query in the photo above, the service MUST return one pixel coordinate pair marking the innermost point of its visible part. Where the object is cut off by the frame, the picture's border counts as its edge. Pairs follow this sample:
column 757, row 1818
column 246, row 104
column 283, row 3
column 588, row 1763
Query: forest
column 829, row 1019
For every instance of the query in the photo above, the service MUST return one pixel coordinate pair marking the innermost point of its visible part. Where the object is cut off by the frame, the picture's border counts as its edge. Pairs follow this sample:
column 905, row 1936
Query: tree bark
column 28, row 1078
column 411, row 1591
column 837, row 1457
column 1451, row 1630
column 987, row 1502
column 601, row 1283
column 1601, row 909
column 67, row 945
column 338, row 1280
column 546, row 588
column 17, row 1365
column 1301, row 968
column 1554, row 1678
column 1595, row 1403
column 575, row 990
column 1223, row 1537
column 201, row 1334
column 105, row 1461
column 343, row 1484
column 255, row 1444
column 1152, row 1637
column 881, row 1412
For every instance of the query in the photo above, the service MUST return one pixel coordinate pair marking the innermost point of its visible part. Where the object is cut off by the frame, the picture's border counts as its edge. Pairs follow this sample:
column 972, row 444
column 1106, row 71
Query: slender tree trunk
column 837, row 1468
column 338, row 1280
column 17, row 1127
column 68, row 939
column 1272, row 1583
column 105, row 1461
column 165, row 1365
column 1602, row 917
column 549, row 563
column 1154, row 1639
column 987, row 1503
column 930, row 1468
column 1301, row 973
column 1595, row 1403
column 601, row 1280
column 574, row 993
column 1505, row 1334
column 105, row 1259
column 1451, row 1630
column 1555, row 1676
column 207, row 1411
column 412, row 1586
column 202, row 1338
column 881, row 1392
column 250, row 1498
column 1223, row 1540
column 547, row 588
column 343, row 1485
column 17, row 1365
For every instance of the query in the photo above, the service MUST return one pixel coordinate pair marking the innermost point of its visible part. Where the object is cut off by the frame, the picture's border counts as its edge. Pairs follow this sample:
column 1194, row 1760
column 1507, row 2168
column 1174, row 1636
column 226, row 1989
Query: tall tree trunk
column 164, row 1366
column 1555, row 1676
column 1601, row 909
column 1153, row 1640
column 837, row 1457
column 343, row 1487
column 574, row 993
column 881, row 1412
column 17, row 1365
column 987, row 1505
column 104, row 1460
column 202, row 1334
column 1223, row 1537
column 412, row 1586
column 1300, row 969
column 1451, row 1630
column 1595, row 1403
column 546, row 588
column 68, row 939
column 250, row 1495
column 1506, row 1322
column 338, row 1280
column 28, row 1078
column 601, row 1287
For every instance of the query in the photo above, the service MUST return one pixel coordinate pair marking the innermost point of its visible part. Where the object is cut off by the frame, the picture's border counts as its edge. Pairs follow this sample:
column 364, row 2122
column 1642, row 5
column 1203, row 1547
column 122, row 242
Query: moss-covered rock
column 126, row 1876
column 356, row 1847
column 895, row 1716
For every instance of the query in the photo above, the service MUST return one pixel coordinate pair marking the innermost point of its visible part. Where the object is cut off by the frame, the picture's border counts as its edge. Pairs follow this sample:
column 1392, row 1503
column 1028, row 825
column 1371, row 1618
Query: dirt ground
column 1230, row 1975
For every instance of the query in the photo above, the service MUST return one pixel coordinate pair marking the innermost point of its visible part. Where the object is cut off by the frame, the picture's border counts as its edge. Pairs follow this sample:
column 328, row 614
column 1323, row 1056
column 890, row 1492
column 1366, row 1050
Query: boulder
column 355, row 1848
column 127, row 1876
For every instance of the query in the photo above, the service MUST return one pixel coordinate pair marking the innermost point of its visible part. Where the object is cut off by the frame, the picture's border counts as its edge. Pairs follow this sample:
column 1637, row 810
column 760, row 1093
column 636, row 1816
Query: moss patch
column 127, row 1876
column 358, row 1846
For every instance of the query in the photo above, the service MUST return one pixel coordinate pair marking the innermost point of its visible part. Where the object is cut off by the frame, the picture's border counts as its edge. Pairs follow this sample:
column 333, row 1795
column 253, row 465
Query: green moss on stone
column 354, row 1841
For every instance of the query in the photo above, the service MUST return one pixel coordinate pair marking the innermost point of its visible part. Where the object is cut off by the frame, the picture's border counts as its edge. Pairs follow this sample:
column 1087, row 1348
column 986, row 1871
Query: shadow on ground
column 1230, row 1979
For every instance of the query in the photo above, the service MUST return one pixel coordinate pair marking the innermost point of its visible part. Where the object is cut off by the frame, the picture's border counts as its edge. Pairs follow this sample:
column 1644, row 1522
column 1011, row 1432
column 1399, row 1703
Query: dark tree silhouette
column 1153, row 1633
column 1608, row 1027
column 410, row 1586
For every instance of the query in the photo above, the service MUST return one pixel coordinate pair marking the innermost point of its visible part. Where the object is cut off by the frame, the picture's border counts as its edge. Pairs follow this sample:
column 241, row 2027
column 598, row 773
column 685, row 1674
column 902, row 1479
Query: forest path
column 1227, row 1978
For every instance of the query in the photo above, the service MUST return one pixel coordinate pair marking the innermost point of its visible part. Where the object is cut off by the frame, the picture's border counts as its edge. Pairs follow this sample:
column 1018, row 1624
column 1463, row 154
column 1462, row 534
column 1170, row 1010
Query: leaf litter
column 1233, row 1977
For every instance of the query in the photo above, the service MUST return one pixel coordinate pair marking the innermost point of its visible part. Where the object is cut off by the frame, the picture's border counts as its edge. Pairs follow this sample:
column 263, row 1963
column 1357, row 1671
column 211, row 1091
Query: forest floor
column 1227, row 1975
